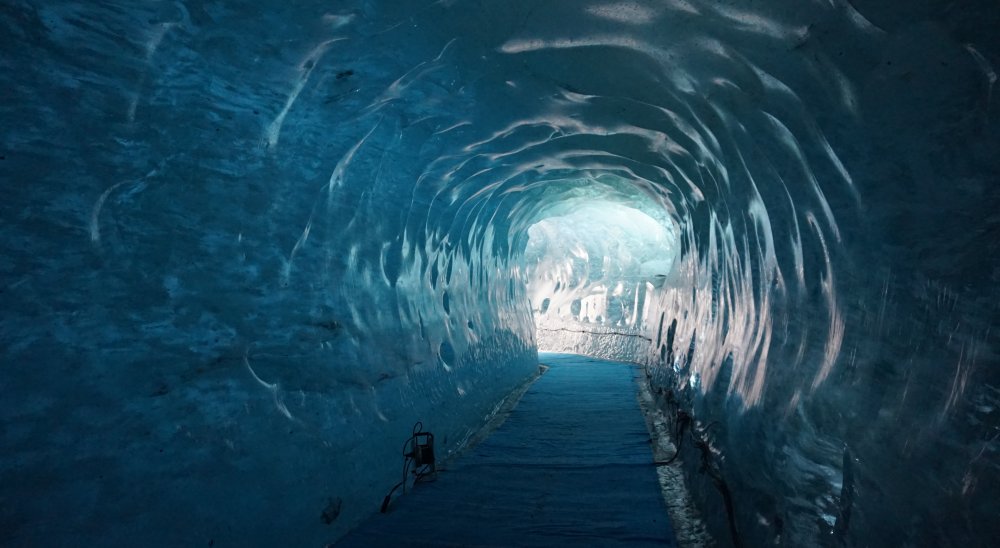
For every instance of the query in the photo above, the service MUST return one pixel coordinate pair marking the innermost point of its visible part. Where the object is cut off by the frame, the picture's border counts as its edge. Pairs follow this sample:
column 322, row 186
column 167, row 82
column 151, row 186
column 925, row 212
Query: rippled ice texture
column 247, row 244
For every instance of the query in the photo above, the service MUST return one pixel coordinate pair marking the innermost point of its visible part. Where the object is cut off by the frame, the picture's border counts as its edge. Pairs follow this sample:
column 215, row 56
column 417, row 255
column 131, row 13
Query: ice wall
column 246, row 245
column 231, row 279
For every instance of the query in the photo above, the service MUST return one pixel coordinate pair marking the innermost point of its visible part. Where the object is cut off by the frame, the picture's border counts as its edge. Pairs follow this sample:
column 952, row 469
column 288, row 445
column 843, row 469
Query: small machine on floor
column 418, row 452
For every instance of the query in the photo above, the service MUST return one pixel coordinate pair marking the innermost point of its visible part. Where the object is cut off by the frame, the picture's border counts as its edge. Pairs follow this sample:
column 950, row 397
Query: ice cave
column 246, row 245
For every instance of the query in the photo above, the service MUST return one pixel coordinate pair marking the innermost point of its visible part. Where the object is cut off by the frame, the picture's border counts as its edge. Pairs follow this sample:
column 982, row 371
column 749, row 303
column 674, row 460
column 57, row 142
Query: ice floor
column 571, row 466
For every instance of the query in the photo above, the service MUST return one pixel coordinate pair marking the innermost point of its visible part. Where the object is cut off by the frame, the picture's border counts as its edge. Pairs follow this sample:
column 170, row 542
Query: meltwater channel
column 247, row 244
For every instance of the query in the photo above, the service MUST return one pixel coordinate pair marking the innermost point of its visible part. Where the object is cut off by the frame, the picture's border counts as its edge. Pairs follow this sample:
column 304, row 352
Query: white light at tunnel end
column 587, row 260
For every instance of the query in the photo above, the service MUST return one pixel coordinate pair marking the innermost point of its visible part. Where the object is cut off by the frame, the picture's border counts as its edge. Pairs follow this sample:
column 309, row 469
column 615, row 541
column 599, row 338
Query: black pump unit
column 422, row 452
column 418, row 451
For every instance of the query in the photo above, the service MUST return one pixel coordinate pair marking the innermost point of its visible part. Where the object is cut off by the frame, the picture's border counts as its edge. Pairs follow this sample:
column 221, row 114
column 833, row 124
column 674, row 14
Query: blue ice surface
column 245, row 245
column 571, row 466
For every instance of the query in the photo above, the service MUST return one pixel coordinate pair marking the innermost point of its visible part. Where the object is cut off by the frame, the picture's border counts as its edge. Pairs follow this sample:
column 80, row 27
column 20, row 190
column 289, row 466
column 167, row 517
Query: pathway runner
column 571, row 466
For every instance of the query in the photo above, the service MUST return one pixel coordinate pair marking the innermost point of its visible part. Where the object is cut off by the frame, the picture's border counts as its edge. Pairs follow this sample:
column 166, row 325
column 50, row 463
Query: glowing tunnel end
column 589, row 263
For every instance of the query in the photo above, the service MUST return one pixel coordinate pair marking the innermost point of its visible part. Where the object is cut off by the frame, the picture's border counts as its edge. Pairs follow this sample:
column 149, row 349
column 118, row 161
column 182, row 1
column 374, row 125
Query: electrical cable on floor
column 684, row 421
column 702, row 443
column 418, row 450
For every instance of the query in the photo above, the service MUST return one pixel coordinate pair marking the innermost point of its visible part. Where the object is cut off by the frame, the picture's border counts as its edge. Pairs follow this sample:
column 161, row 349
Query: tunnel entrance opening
column 590, row 266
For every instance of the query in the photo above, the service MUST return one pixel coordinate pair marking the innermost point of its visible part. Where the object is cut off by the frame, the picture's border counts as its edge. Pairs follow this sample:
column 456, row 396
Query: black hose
column 683, row 420
column 727, row 499
column 407, row 458
column 721, row 485
column 385, row 501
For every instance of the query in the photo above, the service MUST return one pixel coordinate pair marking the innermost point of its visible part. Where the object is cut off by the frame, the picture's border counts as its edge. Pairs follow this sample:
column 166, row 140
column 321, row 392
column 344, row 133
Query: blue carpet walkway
column 571, row 466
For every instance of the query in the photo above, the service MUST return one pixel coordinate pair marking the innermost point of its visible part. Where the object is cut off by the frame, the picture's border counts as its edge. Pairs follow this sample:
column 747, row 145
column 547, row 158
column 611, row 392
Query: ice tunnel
column 246, row 244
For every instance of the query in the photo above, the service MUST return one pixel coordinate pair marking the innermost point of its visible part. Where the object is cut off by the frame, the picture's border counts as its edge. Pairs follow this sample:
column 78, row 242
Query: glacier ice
column 247, row 245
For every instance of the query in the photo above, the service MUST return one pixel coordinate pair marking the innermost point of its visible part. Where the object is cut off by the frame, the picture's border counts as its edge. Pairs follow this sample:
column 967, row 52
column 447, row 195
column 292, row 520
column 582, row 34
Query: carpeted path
column 571, row 466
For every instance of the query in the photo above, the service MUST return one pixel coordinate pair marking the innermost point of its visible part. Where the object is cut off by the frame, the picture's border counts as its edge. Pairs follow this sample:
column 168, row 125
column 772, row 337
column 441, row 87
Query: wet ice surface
column 245, row 249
